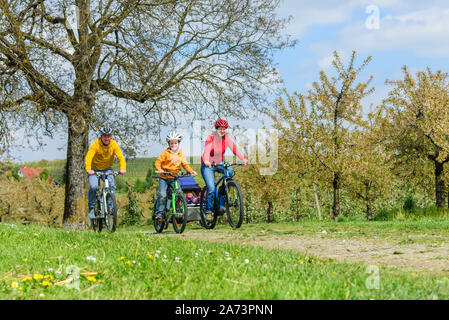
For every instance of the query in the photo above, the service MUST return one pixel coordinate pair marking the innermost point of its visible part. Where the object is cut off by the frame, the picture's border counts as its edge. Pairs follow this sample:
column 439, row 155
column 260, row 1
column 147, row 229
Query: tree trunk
column 270, row 212
column 317, row 203
column 75, row 207
column 369, row 212
column 336, row 204
column 440, row 191
column 297, row 208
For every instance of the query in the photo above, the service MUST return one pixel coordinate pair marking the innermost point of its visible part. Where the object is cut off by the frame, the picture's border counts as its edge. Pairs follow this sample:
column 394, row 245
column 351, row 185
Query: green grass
column 135, row 263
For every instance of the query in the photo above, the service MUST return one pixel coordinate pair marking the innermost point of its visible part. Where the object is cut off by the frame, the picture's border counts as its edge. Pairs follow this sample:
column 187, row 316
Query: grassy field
column 135, row 263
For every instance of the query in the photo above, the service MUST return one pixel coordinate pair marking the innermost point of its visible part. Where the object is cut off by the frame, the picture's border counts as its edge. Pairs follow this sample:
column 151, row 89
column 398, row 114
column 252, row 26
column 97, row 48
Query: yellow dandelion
column 6, row 278
column 49, row 276
column 168, row 278
column 86, row 267
column 27, row 279
column 15, row 284
column 334, row 273
column 150, row 256
column 158, row 276
column 38, row 276
column 121, row 258
column 100, row 281
column 300, row 261
column 211, row 251
column 128, row 262
column 46, row 283
column 91, row 279
column 25, row 260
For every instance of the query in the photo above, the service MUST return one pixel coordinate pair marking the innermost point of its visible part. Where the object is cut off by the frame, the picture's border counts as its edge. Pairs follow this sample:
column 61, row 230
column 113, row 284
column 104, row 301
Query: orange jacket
column 171, row 162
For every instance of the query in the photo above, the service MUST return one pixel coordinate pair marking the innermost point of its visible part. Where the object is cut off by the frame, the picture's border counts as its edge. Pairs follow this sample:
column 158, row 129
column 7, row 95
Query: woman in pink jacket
column 216, row 145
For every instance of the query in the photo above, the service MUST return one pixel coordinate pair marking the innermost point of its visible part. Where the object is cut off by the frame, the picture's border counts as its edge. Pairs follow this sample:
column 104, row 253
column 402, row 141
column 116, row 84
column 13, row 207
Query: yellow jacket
column 171, row 162
column 101, row 157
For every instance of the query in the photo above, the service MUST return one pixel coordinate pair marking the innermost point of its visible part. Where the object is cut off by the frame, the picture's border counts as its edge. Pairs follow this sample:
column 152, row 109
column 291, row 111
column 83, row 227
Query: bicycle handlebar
column 227, row 164
column 100, row 174
column 174, row 175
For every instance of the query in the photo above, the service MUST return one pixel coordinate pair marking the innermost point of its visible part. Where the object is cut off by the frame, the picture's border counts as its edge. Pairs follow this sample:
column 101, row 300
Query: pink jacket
column 216, row 147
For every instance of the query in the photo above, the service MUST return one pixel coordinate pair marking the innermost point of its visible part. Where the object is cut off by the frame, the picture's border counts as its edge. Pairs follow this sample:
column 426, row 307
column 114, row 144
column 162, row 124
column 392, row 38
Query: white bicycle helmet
column 174, row 135
column 105, row 131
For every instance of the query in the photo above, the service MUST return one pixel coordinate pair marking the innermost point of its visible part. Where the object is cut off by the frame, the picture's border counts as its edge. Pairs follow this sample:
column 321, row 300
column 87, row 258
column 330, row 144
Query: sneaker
column 92, row 214
column 209, row 215
column 158, row 216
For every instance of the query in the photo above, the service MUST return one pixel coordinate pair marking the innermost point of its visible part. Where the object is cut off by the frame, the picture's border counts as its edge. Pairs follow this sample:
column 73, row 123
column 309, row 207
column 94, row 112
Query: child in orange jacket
column 169, row 160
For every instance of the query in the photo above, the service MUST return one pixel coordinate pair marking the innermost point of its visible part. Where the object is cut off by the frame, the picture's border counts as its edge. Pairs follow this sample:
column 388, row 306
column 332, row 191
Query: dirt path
column 433, row 258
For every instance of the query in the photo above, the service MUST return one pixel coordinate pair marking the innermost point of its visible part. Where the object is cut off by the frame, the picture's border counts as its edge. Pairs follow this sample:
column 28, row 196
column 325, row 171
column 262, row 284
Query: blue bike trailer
column 188, row 184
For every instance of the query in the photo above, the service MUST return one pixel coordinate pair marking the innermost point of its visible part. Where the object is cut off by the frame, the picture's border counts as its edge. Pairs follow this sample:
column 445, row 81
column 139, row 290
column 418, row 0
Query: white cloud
column 423, row 32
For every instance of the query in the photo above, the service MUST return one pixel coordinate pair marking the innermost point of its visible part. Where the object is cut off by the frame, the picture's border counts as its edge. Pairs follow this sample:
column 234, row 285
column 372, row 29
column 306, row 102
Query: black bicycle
column 228, row 197
column 105, row 206
column 175, row 209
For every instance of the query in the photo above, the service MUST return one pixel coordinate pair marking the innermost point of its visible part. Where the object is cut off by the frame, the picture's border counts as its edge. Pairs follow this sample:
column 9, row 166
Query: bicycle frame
column 223, row 180
column 103, row 190
column 172, row 209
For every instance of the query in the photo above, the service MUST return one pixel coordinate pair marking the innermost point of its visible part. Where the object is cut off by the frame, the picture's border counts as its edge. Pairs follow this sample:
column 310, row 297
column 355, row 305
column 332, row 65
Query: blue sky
column 410, row 32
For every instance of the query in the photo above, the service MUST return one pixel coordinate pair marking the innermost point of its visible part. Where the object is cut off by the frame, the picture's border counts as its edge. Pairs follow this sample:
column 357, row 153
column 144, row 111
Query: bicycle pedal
column 221, row 211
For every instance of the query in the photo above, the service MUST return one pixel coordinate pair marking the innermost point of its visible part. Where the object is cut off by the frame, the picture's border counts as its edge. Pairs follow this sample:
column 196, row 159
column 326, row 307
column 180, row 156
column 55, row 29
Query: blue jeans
column 93, row 182
column 161, row 201
column 209, row 178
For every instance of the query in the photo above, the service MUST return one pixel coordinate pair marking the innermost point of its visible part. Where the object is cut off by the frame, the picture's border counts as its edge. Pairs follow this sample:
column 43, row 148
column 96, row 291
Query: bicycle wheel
column 205, row 221
column 180, row 217
column 159, row 224
column 97, row 224
column 234, row 208
column 110, row 219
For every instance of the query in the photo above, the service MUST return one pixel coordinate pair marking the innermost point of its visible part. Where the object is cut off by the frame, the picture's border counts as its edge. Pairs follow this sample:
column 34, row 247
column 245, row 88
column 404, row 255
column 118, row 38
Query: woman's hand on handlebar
column 207, row 164
column 90, row 172
column 122, row 171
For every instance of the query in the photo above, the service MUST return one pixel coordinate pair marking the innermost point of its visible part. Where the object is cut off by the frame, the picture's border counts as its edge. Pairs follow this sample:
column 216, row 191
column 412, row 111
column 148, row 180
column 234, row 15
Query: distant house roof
column 30, row 173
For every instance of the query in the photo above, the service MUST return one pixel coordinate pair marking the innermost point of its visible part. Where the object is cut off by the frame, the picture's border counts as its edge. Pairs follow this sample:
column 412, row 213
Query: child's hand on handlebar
column 194, row 173
column 159, row 171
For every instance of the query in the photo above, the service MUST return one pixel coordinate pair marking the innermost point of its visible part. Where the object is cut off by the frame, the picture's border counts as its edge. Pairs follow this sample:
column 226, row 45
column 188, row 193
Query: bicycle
column 175, row 210
column 228, row 197
column 102, row 210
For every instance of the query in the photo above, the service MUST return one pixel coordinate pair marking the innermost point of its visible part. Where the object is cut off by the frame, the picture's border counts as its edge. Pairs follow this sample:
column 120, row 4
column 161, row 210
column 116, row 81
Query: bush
column 31, row 201
column 409, row 204
column 139, row 186
column 44, row 175
column 133, row 214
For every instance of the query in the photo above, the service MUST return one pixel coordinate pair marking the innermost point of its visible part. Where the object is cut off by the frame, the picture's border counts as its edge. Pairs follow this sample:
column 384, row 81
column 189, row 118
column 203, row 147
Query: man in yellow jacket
column 170, row 160
column 100, row 158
